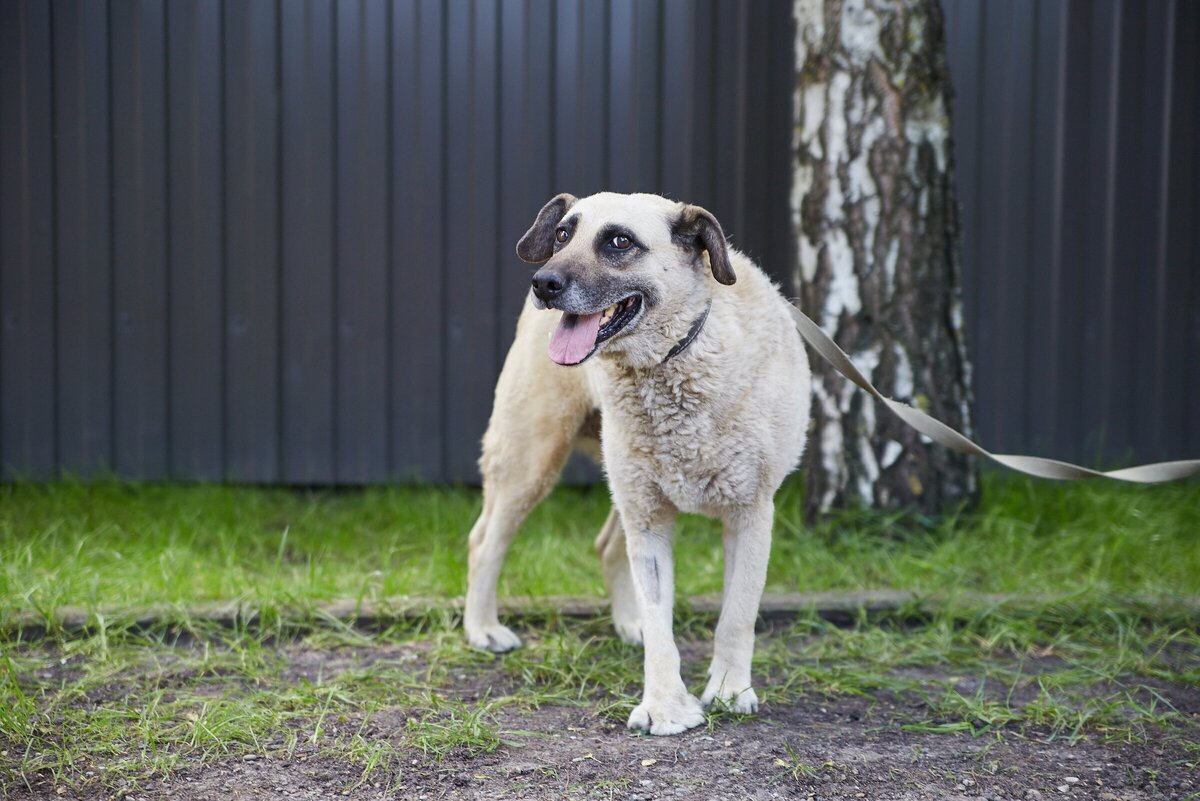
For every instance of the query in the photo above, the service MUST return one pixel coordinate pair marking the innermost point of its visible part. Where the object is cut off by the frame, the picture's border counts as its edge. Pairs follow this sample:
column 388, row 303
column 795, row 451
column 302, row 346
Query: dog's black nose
column 548, row 284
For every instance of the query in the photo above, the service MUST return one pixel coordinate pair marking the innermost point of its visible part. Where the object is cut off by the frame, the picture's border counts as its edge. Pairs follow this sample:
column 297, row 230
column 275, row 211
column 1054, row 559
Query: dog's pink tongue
column 574, row 337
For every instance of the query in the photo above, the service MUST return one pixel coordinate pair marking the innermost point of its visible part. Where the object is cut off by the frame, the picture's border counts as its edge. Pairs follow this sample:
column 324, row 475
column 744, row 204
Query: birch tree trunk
column 876, row 221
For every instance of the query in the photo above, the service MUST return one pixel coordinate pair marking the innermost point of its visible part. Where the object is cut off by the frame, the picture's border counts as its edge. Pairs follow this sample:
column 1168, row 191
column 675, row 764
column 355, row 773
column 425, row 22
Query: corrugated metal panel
column 308, row 396
column 84, row 244
column 139, row 237
column 1075, row 127
column 271, row 240
column 28, row 333
column 196, row 233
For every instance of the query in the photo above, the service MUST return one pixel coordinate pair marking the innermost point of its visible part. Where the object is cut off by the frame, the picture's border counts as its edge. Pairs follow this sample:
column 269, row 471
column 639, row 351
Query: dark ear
column 538, row 243
column 697, row 227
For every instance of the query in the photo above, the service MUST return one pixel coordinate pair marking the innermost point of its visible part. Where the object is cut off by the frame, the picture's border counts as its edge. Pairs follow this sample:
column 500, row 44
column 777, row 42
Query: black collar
column 692, row 333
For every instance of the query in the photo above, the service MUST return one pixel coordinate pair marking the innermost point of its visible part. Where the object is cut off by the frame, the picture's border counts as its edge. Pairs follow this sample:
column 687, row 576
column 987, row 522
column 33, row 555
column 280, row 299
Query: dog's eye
column 620, row 242
column 561, row 235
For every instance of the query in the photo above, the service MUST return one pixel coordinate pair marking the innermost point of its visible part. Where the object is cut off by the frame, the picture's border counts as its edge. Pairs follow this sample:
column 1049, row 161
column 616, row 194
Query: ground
column 1090, row 672
column 829, row 750
column 878, row 711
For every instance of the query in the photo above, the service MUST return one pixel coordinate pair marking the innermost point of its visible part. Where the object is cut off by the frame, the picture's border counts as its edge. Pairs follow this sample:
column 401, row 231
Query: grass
column 122, row 545
column 114, row 707
column 119, row 710
column 448, row 726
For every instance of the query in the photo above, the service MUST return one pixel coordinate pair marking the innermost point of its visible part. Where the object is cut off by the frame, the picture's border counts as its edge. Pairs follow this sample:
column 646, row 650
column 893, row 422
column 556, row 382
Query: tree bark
column 876, row 222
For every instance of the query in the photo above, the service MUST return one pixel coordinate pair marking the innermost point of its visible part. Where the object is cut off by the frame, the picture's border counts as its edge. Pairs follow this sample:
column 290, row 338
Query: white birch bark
column 876, row 222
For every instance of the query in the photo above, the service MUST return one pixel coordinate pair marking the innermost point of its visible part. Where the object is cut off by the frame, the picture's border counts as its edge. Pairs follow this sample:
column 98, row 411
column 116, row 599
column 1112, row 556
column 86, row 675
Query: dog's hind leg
column 503, row 513
column 511, row 488
column 610, row 545
column 538, row 411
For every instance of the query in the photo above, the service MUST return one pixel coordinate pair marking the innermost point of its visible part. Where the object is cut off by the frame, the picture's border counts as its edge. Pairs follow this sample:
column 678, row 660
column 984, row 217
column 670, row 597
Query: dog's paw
column 627, row 618
column 493, row 637
column 677, row 713
column 729, row 688
column 743, row 702
column 629, row 631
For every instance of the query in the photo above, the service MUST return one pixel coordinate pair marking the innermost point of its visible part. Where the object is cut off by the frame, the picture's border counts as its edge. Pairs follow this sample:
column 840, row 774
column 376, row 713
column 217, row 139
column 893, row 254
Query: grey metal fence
column 273, row 241
column 1078, row 143
column 270, row 240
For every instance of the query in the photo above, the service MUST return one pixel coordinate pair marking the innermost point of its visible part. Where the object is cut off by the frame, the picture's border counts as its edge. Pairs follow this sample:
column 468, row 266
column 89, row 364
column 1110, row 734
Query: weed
column 453, row 725
column 794, row 766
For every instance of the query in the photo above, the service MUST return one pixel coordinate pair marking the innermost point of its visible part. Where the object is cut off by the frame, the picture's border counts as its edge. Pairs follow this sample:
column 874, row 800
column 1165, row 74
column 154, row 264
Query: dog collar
column 692, row 333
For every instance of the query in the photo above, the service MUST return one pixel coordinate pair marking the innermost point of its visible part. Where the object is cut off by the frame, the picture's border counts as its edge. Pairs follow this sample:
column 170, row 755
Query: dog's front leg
column 748, row 546
column 667, row 707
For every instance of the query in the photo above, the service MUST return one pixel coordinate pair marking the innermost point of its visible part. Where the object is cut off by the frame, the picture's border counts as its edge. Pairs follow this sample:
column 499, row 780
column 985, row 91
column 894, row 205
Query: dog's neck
column 664, row 345
column 667, row 390
column 693, row 332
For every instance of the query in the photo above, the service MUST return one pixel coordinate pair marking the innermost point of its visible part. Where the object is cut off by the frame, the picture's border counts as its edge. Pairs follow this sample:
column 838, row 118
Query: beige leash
column 943, row 434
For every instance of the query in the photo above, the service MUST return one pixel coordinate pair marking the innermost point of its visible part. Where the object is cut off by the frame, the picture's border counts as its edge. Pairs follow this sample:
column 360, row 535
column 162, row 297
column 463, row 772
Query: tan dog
column 641, row 312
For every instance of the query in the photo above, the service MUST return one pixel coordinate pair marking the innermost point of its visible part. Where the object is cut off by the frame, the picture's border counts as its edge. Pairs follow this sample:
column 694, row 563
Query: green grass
column 114, row 706
column 122, row 545
column 448, row 726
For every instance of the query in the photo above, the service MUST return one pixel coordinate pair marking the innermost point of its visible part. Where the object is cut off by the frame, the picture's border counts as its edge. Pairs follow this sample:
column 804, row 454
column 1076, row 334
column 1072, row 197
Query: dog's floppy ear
column 537, row 245
column 698, row 227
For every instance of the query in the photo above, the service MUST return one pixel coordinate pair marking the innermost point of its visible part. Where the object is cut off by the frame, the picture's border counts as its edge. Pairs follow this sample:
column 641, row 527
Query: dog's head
column 613, row 263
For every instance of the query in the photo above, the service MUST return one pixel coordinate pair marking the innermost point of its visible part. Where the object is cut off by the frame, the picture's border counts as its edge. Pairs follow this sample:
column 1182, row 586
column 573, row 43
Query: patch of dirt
column 821, row 748
column 850, row 748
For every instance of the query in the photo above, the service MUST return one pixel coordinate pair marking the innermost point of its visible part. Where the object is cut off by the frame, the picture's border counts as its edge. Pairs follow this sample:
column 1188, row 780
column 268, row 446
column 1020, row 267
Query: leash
column 944, row 435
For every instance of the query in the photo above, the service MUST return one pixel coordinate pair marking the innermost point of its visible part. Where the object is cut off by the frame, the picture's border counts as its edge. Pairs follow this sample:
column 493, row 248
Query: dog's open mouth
column 578, row 335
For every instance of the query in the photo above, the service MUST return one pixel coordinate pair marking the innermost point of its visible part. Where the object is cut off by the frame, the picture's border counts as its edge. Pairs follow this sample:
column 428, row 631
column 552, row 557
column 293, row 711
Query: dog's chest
column 674, row 435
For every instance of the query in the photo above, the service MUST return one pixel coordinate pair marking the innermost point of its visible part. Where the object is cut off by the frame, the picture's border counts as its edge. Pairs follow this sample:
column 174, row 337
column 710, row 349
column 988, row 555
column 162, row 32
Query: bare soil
column 850, row 747
column 570, row 753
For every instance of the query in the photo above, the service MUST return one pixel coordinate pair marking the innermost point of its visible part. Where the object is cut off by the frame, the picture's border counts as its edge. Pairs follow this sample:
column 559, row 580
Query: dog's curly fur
column 713, row 430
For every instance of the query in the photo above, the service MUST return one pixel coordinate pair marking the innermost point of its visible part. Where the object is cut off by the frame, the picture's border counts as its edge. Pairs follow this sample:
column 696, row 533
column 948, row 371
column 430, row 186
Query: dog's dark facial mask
column 606, row 260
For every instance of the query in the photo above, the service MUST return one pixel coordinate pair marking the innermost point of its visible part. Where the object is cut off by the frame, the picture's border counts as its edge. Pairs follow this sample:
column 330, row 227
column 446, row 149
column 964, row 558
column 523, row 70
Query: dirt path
column 825, row 745
column 572, row 754
column 847, row 748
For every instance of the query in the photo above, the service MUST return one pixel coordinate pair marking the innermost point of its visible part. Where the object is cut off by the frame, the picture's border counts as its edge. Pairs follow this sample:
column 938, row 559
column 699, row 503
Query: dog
column 646, row 340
